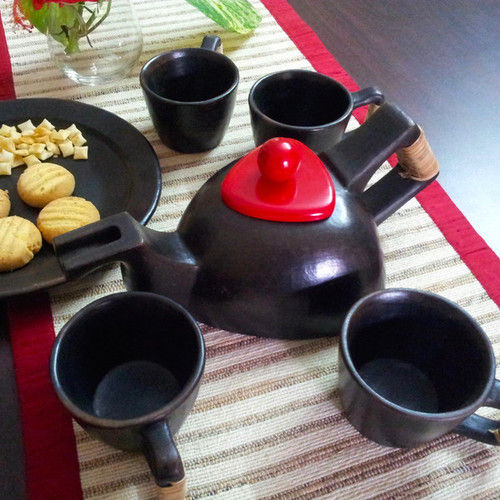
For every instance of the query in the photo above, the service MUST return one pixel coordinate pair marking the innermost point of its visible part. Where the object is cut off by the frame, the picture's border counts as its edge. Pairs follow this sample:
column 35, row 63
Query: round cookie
column 44, row 182
column 4, row 203
column 20, row 240
column 65, row 214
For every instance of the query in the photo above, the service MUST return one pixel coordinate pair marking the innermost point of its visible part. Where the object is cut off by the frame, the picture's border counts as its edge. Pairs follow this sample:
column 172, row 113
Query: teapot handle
column 112, row 239
column 361, row 152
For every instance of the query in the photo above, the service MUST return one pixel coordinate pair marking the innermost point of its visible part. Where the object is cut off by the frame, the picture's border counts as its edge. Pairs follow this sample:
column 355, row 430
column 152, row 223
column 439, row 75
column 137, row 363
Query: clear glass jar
column 94, row 42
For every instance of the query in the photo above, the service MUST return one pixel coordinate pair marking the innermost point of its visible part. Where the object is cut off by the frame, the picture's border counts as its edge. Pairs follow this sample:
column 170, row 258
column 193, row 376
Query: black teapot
column 266, row 260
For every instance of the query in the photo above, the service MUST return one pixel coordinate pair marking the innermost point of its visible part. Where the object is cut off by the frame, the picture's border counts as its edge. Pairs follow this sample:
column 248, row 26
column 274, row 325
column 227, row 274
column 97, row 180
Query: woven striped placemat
column 267, row 422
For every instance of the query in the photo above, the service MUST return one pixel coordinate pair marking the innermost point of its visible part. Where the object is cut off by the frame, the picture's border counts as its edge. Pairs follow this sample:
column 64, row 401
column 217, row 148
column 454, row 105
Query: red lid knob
column 278, row 160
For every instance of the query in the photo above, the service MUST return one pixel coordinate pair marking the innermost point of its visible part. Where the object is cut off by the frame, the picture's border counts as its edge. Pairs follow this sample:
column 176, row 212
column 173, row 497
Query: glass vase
column 94, row 42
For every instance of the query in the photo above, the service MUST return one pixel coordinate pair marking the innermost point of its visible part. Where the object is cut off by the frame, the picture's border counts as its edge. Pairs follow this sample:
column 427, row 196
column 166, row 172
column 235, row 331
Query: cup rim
column 255, row 108
column 183, row 53
column 441, row 416
column 148, row 418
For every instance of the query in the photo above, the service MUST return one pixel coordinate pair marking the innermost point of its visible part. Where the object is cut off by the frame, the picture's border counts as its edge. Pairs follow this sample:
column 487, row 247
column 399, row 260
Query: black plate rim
column 86, row 113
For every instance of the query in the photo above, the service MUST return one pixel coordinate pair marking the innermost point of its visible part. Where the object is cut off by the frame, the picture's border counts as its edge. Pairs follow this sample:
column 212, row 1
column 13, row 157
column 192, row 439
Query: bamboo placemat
column 267, row 422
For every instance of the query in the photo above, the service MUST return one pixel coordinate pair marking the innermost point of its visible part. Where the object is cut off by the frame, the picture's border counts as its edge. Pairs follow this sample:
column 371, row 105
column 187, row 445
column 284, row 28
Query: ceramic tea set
column 280, row 243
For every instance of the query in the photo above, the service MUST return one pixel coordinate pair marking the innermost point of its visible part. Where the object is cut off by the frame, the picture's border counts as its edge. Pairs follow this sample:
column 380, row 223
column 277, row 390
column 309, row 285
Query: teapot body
column 270, row 278
column 279, row 279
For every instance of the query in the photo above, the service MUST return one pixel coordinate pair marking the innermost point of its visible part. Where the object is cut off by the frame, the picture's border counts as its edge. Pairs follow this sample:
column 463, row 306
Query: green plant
column 68, row 21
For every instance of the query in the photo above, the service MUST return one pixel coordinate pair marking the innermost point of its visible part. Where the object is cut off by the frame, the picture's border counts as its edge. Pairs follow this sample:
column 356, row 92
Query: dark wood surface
column 439, row 61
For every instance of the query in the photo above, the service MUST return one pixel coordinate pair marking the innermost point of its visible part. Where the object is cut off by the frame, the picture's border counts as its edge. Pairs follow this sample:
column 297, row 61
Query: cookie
column 4, row 203
column 65, row 214
column 20, row 240
column 42, row 183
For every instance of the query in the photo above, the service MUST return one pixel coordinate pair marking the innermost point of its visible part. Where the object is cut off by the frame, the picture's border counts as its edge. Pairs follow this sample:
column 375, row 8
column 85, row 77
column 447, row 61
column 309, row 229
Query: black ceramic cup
column 414, row 366
column 190, row 94
column 128, row 368
column 304, row 105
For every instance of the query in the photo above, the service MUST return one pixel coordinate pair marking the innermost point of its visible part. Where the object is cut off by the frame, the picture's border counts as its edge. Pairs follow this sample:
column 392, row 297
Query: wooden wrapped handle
column 176, row 491
column 417, row 161
column 371, row 109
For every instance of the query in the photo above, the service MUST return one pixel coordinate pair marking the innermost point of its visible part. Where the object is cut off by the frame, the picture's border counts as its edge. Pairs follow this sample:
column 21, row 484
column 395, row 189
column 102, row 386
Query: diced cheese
column 78, row 139
column 5, row 130
column 44, row 155
column 5, row 168
column 36, row 149
column 72, row 129
column 6, row 156
column 18, row 161
column 45, row 123
column 30, row 160
column 66, row 148
column 81, row 153
column 27, row 125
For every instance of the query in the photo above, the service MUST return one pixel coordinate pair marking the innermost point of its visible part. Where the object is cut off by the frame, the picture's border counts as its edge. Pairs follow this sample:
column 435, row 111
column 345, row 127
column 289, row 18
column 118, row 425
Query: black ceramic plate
column 121, row 174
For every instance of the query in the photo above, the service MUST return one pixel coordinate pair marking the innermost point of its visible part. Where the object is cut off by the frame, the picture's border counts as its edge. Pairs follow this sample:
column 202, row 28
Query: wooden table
column 439, row 60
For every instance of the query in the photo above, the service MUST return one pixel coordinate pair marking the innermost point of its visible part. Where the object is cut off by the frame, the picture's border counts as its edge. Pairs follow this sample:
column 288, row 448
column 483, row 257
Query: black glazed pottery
column 190, row 94
column 413, row 366
column 304, row 105
column 128, row 368
column 259, row 277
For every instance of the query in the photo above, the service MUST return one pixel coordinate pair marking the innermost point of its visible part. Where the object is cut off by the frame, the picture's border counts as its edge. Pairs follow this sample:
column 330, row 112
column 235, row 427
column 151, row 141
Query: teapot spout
column 152, row 261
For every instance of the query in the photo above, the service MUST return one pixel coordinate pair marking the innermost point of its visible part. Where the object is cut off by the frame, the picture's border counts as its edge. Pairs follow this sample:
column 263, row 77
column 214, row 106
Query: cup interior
column 301, row 98
column 189, row 75
column 127, row 356
column 418, row 351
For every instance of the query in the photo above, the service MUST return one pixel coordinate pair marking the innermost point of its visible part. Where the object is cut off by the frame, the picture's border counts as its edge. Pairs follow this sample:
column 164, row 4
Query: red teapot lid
column 282, row 180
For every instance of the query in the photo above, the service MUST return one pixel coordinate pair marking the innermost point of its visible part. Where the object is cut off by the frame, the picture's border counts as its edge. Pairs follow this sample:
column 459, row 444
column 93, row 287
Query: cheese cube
column 56, row 136
column 27, row 125
column 45, row 123
column 44, row 155
column 72, row 129
column 52, row 148
column 66, row 148
column 30, row 160
column 5, row 130
column 36, row 149
column 5, row 168
column 6, row 156
column 18, row 161
column 81, row 153
column 78, row 139
column 7, row 144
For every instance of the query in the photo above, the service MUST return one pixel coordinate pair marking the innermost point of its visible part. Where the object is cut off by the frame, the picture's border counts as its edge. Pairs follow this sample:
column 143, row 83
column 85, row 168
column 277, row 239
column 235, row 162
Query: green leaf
column 60, row 22
column 233, row 15
column 50, row 13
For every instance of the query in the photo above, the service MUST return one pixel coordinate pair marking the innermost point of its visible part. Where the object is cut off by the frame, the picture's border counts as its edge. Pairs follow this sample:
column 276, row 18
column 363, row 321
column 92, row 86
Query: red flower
column 20, row 18
column 38, row 4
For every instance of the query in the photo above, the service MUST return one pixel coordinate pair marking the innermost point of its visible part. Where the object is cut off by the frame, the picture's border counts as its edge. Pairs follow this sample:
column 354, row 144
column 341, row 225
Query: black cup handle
column 163, row 457
column 481, row 428
column 370, row 95
column 212, row 42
